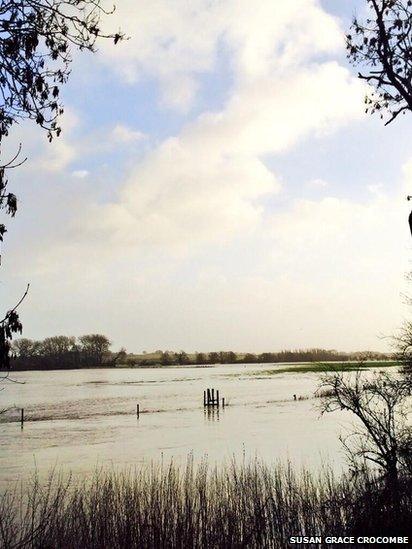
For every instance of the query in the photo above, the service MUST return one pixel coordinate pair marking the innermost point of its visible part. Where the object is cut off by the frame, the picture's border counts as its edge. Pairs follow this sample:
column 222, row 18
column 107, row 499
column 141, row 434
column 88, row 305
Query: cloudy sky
column 217, row 186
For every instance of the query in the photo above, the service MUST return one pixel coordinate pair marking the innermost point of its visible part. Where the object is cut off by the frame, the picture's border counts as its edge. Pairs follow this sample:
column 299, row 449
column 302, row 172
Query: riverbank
column 297, row 367
column 323, row 367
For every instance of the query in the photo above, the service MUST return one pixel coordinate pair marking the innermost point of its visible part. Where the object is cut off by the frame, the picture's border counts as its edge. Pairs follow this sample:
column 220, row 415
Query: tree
column 94, row 347
column 228, row 357
column 383, row 45
column 120, row 357
column 24, row 348
column 381, row 405
column 9, row 325
column 57, row 345
column 37, row 38
column 214, row 358
column 182, row 358
column 402, row 344
column 201, row 358
column 166, row 359
column 267, row 357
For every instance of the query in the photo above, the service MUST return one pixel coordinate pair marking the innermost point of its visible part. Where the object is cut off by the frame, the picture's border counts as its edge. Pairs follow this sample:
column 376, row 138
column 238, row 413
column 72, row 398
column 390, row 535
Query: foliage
column 62, row 352
column 37, row 39
column 94, row 346
column 182, row 358
column 57, row 345
column 383, row 46
column 201, row 358
column 25, row 348
column 9, row 326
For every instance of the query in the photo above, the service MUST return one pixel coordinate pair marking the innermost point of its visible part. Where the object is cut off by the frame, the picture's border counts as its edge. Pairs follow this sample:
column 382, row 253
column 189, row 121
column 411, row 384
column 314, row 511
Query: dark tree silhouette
column 94, row 346
column 37, row 38
column 382, row 44
column 380, row 403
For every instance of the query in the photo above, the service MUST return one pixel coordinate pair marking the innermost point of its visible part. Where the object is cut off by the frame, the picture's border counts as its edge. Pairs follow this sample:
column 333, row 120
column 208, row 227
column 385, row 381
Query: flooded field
column 80, row 419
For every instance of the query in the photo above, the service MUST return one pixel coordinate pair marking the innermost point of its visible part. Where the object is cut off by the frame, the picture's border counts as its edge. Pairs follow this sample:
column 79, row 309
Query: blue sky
column 217, row 186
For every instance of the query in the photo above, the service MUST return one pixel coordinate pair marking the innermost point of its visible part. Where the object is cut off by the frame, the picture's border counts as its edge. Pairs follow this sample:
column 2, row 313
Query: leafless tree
column 382, row 435
column 382, row 46
column 402, row 343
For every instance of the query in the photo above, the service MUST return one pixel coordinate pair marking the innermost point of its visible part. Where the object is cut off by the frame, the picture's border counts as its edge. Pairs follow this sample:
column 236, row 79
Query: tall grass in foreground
column 249, row 505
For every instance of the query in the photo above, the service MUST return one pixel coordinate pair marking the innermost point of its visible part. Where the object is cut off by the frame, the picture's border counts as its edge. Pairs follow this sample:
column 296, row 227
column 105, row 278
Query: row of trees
column 94, row 350
column 229, row 357
column 61, row 352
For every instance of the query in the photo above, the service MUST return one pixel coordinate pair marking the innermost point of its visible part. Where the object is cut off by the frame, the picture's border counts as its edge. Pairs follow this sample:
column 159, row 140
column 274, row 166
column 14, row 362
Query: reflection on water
column 211, row 414
column 81, row 418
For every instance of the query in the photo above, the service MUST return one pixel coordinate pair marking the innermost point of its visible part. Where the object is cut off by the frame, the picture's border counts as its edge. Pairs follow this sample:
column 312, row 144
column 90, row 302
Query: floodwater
column 80, row 419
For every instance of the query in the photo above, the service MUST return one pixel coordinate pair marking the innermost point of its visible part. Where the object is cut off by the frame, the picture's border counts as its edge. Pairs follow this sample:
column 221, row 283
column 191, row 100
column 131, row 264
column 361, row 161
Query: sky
column 217, row 186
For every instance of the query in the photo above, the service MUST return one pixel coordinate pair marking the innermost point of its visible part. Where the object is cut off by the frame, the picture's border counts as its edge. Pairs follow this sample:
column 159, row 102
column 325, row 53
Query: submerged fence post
column 137, row 411
column 22, row 418
column 211, row 398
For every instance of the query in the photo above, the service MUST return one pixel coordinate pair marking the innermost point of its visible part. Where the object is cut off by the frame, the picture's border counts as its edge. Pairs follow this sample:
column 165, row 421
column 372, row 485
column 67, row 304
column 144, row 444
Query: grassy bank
column 321, row 367
column 170, row 507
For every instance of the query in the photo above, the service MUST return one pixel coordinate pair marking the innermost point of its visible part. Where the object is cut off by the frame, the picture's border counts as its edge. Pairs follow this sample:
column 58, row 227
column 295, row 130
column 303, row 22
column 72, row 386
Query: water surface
column 78, row 419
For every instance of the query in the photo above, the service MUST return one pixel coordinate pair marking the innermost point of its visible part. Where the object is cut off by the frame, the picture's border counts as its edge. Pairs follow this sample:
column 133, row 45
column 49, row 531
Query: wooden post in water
column 137, row 411
column 211, row 398
column 22, row 418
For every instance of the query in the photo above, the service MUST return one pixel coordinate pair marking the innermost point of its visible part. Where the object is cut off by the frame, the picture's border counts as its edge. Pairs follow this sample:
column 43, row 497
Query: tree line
column 93, row 350
column 167, row 358
column 61, row 352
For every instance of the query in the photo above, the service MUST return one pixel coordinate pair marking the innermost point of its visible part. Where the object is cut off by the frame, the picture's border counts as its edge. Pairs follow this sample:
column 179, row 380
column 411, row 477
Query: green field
column 319, row 367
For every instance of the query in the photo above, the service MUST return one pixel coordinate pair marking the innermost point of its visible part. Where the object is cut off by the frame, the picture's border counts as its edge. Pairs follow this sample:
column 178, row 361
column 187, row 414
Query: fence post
column 137, row 411
column 22, row 418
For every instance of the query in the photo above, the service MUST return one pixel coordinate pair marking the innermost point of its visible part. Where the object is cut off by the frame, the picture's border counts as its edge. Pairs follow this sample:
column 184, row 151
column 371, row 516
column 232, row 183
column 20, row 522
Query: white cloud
column 306, row 276
column 57, row 156
column 124, row 134
column 80, row 174
column 207, row 184
column 176, row 198
column 176, row 42
column 324, row 273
